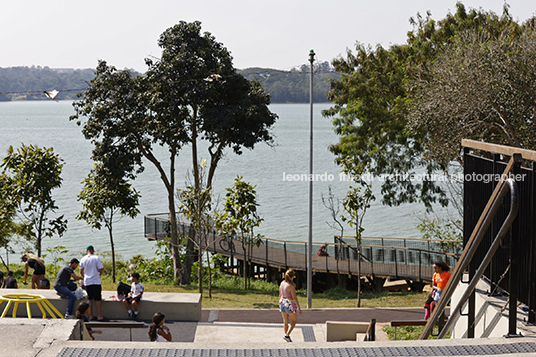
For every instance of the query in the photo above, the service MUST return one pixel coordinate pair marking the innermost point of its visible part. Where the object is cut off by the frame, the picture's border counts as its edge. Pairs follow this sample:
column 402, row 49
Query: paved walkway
column 243, row 333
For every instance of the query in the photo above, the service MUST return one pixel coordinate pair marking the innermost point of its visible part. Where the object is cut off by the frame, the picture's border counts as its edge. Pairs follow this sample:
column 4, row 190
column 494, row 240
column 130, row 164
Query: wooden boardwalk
column 395, row 258
column 412, row 264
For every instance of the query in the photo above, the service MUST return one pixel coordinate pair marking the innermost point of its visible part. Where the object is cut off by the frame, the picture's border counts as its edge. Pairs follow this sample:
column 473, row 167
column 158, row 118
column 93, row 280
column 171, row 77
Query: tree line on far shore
column 30, row 83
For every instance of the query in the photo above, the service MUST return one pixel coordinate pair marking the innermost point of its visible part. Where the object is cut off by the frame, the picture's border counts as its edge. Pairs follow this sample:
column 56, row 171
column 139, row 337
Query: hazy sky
column 275, row 33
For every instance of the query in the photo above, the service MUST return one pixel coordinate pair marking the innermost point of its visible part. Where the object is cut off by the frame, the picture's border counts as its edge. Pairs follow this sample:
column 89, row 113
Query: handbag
column 122, row 288
column 79, row 293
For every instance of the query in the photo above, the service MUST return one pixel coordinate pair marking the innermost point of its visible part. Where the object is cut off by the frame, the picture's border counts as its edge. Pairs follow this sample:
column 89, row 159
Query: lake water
column 283, row 202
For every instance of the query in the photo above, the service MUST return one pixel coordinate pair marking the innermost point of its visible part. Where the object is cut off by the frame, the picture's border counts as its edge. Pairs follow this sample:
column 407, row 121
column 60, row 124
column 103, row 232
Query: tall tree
column 482, row 87
column 191, row 94
column 8, row 211
column 373, row 97
column 197, row 206
column 34, row 174
column 106, row 199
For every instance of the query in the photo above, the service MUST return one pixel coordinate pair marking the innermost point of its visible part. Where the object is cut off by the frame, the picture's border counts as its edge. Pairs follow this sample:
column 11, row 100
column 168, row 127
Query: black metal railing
column 405, row 258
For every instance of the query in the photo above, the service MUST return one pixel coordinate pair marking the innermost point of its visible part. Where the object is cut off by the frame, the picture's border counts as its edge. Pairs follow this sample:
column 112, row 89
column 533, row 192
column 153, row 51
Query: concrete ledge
column 345, row 330
column 176, row 306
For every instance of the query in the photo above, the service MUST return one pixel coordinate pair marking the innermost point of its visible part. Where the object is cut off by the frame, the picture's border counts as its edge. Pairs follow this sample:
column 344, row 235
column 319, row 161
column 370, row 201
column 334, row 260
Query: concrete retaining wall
column 176, row 306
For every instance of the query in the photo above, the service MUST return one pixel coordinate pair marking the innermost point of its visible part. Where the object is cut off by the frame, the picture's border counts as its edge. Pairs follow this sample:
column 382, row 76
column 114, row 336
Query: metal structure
column 499, row 231
column 42, row 303
column 381, row 257
column 310, row 236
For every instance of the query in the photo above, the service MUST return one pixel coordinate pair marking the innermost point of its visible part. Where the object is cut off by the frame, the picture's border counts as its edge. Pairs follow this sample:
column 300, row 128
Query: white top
column 160, row 338
column 136, row 289
column 91, row 265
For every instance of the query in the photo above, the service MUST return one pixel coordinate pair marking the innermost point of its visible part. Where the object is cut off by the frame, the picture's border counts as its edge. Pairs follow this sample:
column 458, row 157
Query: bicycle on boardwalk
column 227, row 245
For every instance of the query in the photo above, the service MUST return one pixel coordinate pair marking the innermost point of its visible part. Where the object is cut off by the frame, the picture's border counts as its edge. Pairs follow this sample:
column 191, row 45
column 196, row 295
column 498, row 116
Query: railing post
column 266, row 260
column 396, row 263
column 306, row 256
column 231, row 249
column 285, row 248
column 420, row 266
column 515, row 260
column 532, row 260
column 372, row 261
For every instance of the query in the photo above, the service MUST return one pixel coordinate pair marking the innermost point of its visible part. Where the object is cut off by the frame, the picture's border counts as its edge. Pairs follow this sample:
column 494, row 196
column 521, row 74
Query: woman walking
column 38, row 265
column 288, row 303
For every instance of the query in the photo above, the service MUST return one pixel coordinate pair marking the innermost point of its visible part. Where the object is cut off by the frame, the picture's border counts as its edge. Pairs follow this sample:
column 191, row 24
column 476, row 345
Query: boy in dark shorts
column 134, row 296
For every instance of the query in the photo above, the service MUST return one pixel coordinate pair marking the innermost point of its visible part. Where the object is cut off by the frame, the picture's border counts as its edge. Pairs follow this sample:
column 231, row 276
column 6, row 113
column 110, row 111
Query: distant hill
column 29, row 83
column 293, row 86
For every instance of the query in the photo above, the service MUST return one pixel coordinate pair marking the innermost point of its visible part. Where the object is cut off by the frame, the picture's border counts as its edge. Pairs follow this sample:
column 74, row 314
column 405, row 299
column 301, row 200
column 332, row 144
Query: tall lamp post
column 310, row 240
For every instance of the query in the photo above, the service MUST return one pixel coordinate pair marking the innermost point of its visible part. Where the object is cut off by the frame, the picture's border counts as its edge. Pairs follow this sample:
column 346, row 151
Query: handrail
column 399, row 238
column 480, row 229
column 514, row 208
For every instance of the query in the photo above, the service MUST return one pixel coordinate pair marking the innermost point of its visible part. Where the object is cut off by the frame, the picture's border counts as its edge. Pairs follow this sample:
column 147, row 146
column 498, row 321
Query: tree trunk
column 188, row 258
column 209, row 277
column 359, row 275
column 200, row 267
column 113, row 250
column 245, row 267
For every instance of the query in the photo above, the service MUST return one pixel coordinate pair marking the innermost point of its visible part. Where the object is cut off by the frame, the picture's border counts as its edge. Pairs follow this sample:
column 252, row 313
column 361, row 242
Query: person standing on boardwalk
column 38, row 265
column 91, row 268
column 288, row 303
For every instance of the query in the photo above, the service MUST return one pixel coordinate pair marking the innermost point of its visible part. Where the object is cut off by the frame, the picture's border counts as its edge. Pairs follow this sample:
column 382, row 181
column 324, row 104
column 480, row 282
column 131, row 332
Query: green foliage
column 408, row 332
column 240, row 210
column 448, row 233
column 57, row 261
column 105, row 196
column 234, row 283
column 478, row 89
column 157, row 270
column 8, row 210
column 240, row 217
column 192, row 93
column 355, row 206
column 294, row 86
column 374, row 95
column 35, row 173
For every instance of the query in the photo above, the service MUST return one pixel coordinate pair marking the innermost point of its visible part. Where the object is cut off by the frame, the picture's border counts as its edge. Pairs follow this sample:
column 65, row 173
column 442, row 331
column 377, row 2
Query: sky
column 271, row 34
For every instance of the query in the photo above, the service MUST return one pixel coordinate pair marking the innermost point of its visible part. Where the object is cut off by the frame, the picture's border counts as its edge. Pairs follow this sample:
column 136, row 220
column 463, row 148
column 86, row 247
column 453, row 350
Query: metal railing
column 405, row 258
column 487, row 216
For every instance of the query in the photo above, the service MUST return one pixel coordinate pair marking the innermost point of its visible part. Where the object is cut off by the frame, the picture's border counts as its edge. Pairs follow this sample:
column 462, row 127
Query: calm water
column 283, row 202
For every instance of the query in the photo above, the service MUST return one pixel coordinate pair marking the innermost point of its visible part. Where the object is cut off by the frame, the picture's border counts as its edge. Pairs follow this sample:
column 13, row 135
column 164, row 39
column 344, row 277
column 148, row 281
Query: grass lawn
column 256, row 298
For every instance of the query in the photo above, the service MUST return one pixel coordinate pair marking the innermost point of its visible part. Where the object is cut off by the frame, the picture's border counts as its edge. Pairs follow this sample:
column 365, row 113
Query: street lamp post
column 310, row 240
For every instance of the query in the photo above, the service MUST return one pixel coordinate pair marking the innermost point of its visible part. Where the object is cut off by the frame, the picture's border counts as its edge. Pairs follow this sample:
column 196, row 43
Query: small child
column 10, row 282
column 134, row 296
column 157, row 331
column 82, row 313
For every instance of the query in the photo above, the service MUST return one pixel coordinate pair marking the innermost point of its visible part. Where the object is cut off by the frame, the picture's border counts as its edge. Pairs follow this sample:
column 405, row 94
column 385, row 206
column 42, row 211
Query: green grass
column 408, row 332
column 228, row 292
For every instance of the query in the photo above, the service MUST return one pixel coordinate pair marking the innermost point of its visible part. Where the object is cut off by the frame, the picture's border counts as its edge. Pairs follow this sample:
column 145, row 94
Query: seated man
column 322, row 250
column 61, row 285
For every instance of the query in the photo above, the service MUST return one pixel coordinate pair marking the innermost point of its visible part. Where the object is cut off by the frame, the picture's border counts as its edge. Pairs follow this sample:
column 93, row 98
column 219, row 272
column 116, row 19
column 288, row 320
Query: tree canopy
column 191, row 94
column 377, row 91
column 29, row 177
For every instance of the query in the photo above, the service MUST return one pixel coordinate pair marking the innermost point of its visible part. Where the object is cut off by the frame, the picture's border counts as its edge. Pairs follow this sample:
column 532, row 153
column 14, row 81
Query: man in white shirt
column 91, row 268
